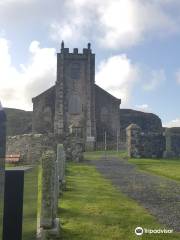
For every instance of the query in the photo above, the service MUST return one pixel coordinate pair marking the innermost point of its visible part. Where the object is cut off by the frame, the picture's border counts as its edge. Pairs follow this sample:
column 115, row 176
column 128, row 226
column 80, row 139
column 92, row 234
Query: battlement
column 86, row 51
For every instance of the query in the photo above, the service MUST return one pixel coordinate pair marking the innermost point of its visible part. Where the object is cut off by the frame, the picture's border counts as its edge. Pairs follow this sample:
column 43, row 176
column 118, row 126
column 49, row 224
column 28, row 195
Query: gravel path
column 159, row 195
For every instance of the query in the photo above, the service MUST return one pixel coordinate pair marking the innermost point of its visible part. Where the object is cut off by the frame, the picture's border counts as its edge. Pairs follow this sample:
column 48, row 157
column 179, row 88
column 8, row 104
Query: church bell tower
column 75, row 93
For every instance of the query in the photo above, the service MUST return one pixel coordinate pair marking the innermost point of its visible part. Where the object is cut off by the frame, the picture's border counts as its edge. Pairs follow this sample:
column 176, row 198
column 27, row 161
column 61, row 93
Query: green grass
column 97, row 155
column 92, row 209
column 167, row 168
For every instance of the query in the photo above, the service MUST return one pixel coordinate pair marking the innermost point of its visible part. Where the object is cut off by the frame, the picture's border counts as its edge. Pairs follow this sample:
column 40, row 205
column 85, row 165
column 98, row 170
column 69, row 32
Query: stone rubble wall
column 172, row 136
column 144, row 145
column 74, row 148
column 30, row 146
column 148, row 122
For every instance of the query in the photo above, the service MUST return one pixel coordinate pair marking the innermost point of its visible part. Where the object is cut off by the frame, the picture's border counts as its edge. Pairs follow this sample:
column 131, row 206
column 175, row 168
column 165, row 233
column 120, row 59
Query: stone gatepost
column 49, row 224
column 133, row 135
column 168, row 152
column 61, row 162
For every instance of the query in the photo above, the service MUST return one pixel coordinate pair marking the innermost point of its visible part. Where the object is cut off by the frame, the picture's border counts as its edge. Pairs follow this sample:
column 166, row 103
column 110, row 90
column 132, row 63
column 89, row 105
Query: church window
column 75, row 106
column 75, row 71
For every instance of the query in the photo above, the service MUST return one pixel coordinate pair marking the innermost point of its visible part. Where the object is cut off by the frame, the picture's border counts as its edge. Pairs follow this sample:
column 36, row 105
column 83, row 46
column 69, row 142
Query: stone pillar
column 49, row 224
column 168, row 152
column 90, row 98
column 59, row 99
column 61, row 162
column 133, row 136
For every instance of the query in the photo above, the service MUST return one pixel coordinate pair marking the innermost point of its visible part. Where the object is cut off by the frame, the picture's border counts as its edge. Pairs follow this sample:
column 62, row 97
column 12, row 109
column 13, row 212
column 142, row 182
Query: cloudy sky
column 137, row 46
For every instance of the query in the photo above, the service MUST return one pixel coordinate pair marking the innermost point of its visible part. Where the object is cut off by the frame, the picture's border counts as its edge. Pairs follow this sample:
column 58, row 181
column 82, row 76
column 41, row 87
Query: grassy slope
column 18, row 121
column 92, row 209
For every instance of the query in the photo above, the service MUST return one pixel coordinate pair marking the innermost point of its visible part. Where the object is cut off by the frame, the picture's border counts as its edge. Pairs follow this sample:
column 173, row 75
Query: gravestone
column 49, row 223
column 20, row 203
column 2, row 157
column 61, row 162
column 133, row 140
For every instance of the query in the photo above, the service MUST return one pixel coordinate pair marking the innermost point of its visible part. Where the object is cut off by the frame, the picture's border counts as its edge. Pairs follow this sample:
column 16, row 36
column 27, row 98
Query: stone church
column 75, row 104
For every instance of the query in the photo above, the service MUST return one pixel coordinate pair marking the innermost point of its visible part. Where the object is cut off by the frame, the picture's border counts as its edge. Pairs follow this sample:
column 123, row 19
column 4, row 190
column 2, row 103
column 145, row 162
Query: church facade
column 75, row 104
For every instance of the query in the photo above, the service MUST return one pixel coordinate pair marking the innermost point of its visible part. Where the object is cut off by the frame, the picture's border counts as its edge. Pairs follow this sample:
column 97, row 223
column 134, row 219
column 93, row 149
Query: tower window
column 75, row 71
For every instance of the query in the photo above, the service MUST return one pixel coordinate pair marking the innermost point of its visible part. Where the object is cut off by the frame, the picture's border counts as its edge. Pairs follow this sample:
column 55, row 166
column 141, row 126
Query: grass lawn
column 93, row 209
column 97, row 155
column 167, row 168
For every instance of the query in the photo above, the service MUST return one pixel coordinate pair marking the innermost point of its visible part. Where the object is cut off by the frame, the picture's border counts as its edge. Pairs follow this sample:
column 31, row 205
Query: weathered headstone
column 61, row 161
column 49, row 222
column 133, row 140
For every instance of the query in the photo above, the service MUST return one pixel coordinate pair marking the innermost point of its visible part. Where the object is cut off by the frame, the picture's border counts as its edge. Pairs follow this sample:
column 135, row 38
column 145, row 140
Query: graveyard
column 94, row 208
column 79, row 167
column 91, row 206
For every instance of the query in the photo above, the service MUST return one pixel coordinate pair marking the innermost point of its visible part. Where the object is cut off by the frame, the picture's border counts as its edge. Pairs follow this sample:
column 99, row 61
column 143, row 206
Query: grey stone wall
column 30, row 146
column 148, row 122
column 43, row 112
column 75, row 92
column 144, row 145
column 76, row 102
column 172, row 136
column 107, row 116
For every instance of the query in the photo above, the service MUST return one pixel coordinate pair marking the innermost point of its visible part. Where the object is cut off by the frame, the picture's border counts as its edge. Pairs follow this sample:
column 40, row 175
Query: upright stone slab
column 49, row 223
column 47, row 189
column 133, row 140
column 61, row 161
column 2, row 157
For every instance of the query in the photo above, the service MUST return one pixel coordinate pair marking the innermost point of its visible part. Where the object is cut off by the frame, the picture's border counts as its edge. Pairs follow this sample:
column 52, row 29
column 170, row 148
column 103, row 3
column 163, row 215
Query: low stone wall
column 30, row 146
column 144, row 145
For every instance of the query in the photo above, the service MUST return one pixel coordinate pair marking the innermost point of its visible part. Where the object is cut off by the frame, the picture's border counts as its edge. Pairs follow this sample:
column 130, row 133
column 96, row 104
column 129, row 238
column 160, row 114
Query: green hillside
column 18, row 121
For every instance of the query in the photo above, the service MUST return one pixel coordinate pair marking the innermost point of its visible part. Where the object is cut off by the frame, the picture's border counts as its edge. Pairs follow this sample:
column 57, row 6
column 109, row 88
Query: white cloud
column 117, row 75
column 143, row 107
column 110, row 23
column 115, row 23
column 3, row 2
column 153, row 79
column 17, row 87
column 173, row 123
